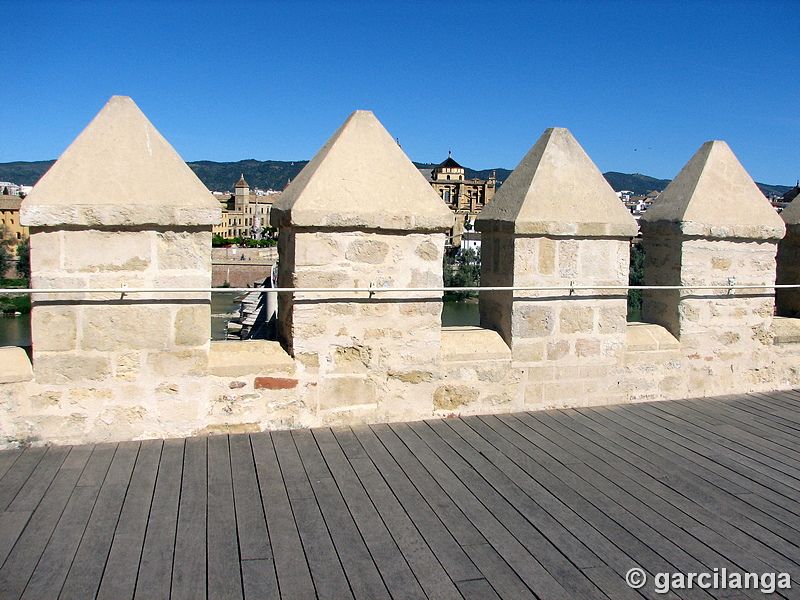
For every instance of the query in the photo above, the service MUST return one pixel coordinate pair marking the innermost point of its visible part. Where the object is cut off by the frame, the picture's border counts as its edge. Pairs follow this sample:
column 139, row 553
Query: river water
column 16, row 330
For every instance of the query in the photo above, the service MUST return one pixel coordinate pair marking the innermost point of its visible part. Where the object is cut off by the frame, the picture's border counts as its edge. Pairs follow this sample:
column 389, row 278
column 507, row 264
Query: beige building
column 245, row 211
column 465, row 197
column 9, row 218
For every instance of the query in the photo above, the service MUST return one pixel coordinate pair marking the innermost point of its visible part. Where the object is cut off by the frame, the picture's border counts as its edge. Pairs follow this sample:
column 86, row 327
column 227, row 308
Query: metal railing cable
column 389, row 289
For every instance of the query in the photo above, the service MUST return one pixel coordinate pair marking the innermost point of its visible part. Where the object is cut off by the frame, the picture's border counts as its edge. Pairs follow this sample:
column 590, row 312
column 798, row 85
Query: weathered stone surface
column 427, row 250
column 557, row 190
column 467, row 343
column 714, row 197
column 557, row 349
column 361, row 179
column 128, row 366
column 56, row 328
column 46, row 250
column 183, row 250
column 412, row 376
column 577, row 319
column 533, row 321
column 14, row 365
column 373, row 252
column 65, row 368
column 453, row 397
column 126, row 327
column 234, row 358
column 341, row 392
column 121, row 251
column 193, row 325
column 180, row 362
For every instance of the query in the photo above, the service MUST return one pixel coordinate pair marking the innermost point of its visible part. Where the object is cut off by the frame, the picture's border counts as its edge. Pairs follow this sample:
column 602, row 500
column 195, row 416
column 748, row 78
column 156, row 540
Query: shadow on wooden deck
column 549, row 505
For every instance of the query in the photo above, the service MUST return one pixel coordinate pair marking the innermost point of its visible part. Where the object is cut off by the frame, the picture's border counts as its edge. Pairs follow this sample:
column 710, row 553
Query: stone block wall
column 110, row 367
column 97, row 336
column 363, row 347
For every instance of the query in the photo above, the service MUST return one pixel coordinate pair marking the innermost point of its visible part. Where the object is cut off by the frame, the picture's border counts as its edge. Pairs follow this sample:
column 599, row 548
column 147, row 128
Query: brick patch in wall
column 275, row 383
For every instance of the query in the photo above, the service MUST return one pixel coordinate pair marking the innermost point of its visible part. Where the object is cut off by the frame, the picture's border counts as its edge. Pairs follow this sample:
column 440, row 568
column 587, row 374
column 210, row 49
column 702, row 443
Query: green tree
column 5, row 254
column 636, row 277
column 24, row 259
column 462, row 270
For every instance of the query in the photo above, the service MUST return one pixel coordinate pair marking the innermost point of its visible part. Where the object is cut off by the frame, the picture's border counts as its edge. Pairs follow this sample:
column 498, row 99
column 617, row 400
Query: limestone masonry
column 110, row 366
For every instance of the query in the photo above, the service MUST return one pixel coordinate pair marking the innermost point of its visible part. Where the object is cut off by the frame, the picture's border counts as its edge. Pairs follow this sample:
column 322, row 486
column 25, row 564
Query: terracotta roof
column 242, row 182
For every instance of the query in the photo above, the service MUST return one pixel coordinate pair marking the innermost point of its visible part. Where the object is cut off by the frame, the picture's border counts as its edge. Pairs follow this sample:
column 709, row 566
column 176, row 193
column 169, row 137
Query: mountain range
column 276, row 174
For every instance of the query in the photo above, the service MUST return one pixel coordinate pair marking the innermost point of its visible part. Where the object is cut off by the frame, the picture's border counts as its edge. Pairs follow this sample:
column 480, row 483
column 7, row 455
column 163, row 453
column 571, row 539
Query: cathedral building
column 465, row 197
column 245, row 213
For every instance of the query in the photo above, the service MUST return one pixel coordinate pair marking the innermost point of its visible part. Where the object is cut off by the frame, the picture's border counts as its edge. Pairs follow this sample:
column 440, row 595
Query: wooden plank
column 767, row 464
column 119, row 576
column 714, row 470
column 327, row 573
column 708, row 450
column 702, row 475
column 293, row 575
column 515, row 494
column 459, row 485
column 423, row 562
column 224, row 573
column 670, row 512
column 556, row 520
column 155, row 567
column 87, row 568
column 445, row 508
column 11, row 526
column 18, row 473
column 477, row 589
column 30, row 546
column 728, row 506
column 557, row 498
column 395, row 571
column 721, row 505
column 189, row 574
column 362, row 573
column 250, row 521
column 624, row 529
column 36, row 484
column 505, row 581
column 739, row 429
column 7, row 460
column 51, row 570
column 513, row 508
column 453, row 559
column 259, row 580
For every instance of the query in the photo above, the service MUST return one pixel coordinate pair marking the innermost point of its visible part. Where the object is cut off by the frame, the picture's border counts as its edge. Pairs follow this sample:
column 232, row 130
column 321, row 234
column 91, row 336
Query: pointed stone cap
column 557, row 190
column 361, row 179
column 120, row 171
column 713, row 196
column 791, row 214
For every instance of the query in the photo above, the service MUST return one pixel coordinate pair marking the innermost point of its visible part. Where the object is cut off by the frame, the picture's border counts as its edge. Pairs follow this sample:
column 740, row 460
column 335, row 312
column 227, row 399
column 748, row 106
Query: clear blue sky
column 641, row 85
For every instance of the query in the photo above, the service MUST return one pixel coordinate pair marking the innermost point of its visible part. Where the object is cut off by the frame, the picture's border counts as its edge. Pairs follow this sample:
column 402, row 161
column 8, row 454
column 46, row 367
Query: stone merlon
column 120, row 171
column 361, row 179
column 713, row 196
column 557, row 190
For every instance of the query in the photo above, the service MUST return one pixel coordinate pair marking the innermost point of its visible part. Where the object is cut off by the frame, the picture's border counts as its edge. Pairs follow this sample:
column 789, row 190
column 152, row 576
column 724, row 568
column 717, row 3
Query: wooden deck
column 548, row 505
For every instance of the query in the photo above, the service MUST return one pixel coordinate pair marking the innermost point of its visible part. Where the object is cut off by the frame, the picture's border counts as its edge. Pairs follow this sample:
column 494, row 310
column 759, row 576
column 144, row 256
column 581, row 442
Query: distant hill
column 640, row 185
column 24, row 173
column 275, row 174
